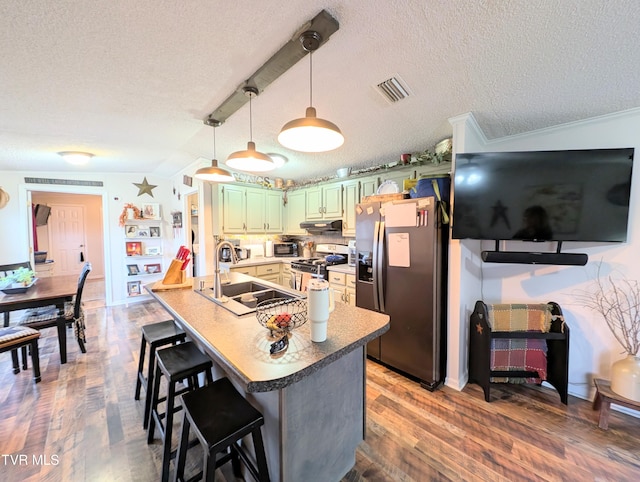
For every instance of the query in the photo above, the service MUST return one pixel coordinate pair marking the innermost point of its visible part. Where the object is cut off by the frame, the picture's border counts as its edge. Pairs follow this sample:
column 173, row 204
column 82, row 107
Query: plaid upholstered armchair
column 72, row 314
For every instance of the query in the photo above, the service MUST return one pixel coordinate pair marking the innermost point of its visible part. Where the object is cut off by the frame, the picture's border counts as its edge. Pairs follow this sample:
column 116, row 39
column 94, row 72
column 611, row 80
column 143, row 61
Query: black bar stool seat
column 220, row 418
column 155, row 335
column 176, row 363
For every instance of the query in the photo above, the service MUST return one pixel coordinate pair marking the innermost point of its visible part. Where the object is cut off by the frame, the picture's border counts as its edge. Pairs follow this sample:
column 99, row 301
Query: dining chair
column 72, row 314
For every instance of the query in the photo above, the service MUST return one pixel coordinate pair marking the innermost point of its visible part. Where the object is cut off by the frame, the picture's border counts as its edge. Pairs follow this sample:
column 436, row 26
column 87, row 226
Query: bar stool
column 220, row 418
column 155, row 335
column 176, row 363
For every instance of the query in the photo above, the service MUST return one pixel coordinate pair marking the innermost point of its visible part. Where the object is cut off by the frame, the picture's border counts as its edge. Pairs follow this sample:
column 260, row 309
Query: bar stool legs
column 176, row 363
column 155, row 335
column 220, row 418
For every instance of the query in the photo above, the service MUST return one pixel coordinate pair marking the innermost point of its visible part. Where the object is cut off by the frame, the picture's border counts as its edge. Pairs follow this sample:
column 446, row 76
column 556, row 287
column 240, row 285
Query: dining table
column 55, row 290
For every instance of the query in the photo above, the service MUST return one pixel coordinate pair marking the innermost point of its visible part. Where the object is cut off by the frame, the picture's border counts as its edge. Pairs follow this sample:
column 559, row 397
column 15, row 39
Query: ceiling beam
column 278, row 64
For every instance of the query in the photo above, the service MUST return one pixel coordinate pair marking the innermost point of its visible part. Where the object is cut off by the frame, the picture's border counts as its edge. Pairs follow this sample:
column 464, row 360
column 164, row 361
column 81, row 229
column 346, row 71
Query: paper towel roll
column 268, row 250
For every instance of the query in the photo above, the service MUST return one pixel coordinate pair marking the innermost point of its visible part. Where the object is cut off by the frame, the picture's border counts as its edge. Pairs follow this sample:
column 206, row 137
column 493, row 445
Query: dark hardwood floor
column 81, row 422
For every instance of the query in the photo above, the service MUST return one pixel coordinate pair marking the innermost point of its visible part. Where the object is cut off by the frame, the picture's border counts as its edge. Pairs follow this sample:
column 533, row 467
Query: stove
column 317, row 267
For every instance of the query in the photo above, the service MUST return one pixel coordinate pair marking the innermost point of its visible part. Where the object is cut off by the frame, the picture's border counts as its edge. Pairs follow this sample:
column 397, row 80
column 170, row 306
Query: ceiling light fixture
column 310, row 133
column 214, row 173
column 75, row 157
column 278, row 159
column 250, row 159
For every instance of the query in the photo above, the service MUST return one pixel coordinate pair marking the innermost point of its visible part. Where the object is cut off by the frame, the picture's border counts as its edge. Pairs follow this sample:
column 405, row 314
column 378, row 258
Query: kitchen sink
column 235, row 289
column 232, row 294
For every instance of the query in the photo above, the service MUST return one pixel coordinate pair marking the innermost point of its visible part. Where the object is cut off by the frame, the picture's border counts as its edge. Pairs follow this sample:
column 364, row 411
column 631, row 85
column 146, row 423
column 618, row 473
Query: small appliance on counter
column 225, row 252
column 351, row 257
column 283, row 249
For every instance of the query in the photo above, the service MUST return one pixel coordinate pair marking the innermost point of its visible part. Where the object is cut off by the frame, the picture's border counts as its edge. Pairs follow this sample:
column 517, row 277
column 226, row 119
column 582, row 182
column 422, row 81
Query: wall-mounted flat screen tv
column 575, row 195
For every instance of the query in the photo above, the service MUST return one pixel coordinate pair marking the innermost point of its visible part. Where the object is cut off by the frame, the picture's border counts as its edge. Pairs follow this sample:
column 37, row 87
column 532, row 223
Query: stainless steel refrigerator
column 401, row 270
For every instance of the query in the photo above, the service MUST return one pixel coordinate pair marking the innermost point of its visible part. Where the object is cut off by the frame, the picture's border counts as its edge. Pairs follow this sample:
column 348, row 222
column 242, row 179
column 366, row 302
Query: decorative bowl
column 16, row 288
column 281, row 315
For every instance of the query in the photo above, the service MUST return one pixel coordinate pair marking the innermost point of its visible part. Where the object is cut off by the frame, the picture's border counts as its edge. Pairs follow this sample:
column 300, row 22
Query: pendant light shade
column 214, row 173
column 310, row 133
column 250, row 159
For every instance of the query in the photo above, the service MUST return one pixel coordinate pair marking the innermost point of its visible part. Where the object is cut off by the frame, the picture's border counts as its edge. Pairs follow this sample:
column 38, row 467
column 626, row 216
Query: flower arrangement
column 618, row 301
column 123, row 216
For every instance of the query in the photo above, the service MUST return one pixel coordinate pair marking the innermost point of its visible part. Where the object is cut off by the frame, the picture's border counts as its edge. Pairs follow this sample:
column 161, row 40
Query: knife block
column 175, row 275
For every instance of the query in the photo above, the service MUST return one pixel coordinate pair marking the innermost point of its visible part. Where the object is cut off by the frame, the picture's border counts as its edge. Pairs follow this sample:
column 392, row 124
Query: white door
column 67, row 238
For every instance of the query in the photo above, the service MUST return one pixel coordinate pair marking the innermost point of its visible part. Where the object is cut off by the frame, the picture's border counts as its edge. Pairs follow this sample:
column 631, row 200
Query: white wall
column 592, row 346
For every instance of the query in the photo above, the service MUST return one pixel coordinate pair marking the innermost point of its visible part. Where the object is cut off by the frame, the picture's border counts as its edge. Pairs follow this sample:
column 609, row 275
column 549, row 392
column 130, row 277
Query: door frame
column 24, row 198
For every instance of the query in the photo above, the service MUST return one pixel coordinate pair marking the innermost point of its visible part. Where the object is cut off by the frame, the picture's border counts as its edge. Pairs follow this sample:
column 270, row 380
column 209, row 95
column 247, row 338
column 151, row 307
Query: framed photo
column 143, row 232
column 133, row 288
column 177, row 219
column 131, row 230
column 134, row 248
column 154, row 231
column 152, row 251
column 133, row 269
column 187, row 180
column 153, row 268
column 151, row 211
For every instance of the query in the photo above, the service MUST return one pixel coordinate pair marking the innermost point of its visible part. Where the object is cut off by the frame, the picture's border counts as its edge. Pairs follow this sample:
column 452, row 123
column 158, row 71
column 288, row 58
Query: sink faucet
column 217, row 286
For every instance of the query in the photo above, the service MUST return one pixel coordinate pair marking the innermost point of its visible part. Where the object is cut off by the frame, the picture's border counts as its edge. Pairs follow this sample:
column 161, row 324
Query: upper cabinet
column 350, row 199
column 369, row 186
column 296, row 211
column 324, row 202
column 247, row 210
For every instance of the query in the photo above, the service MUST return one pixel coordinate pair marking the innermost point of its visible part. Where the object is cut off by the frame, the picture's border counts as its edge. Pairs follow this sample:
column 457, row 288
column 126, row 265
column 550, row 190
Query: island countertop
column 240, row 345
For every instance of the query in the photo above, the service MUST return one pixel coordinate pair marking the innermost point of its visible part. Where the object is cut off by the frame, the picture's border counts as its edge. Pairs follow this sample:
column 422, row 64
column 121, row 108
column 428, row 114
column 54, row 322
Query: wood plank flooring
column 81, row 422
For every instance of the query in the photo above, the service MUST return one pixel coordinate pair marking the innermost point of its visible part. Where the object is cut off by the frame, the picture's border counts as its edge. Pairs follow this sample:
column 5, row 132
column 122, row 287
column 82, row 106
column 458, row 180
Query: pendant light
column 214, row 173
column 250, row 159
column 310, row 133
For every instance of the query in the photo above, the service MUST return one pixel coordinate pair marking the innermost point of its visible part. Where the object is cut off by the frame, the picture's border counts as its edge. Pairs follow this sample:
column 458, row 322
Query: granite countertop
column 342, row 268
column 240, row 345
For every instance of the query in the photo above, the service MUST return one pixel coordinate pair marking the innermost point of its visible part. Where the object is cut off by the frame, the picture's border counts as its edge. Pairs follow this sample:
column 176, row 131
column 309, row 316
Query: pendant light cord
column 250, row 119
column 311, row 78
column 214, row 142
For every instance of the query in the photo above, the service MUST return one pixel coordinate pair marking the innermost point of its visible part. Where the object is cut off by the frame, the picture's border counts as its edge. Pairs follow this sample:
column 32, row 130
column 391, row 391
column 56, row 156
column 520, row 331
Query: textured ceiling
column 132, row 82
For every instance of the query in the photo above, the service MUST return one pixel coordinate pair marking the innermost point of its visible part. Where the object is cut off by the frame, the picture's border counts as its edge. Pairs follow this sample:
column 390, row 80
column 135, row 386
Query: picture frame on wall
column 143, row 232
column 134, row 288
column 131, row 231
column 151, row 211
column 152, row 251
column 132, row 269
column 154, row 231
column 153, row 268
column 134, row 248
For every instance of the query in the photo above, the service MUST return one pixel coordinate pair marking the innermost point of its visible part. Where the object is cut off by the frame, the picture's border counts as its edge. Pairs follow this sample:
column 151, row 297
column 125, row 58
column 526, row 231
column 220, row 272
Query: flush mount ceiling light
column 75, row 157
column 214, row 173
column 278, row 159
column 250, row 159
column 310, row 133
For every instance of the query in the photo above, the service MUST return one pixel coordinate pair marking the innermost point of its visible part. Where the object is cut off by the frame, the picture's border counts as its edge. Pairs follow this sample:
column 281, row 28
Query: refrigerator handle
column 379, row 266
column 374, row 275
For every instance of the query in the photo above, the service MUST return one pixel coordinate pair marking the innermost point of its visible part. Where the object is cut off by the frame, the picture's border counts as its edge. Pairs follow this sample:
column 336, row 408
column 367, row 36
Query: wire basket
column 281, row 315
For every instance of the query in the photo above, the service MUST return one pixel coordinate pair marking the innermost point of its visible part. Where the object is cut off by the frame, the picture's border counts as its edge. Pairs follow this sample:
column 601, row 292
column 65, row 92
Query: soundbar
column 523, row 257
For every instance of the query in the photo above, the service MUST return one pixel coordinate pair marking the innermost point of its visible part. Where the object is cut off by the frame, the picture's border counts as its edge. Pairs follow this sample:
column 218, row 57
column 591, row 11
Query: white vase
column 625, row 377
column 130, row 214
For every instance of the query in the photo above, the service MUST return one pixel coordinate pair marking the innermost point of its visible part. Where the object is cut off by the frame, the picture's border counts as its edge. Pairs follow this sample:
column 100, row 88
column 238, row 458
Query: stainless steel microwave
column 285, row 249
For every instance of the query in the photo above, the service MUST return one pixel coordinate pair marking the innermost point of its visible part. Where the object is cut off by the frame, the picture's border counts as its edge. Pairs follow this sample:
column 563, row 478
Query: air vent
column 393, row 89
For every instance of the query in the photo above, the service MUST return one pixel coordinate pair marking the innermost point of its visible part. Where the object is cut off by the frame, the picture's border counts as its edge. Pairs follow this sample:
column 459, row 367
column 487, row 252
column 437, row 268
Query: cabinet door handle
column 244, row 226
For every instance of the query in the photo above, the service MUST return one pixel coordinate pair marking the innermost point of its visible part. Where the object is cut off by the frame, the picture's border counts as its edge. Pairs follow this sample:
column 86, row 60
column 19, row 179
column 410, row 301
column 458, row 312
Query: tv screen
column 42, row 214
column 576, row 195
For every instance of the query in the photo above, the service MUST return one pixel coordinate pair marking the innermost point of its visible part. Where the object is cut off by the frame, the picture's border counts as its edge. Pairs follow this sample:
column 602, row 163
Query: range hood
column 322, row 226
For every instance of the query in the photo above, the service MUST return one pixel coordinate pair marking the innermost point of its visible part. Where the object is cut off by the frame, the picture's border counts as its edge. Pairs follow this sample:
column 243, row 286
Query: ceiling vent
column 393, row 89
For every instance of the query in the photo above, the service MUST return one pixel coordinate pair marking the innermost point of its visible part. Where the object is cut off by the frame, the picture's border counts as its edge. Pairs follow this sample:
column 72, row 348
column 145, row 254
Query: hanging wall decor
column 144, row 187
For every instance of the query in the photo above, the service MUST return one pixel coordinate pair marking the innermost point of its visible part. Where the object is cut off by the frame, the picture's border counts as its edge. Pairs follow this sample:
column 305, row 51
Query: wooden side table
column 605, row 397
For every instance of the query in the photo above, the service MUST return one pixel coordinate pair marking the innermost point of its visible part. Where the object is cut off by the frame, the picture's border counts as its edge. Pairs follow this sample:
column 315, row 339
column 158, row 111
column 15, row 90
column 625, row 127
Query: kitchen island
column 312, row 395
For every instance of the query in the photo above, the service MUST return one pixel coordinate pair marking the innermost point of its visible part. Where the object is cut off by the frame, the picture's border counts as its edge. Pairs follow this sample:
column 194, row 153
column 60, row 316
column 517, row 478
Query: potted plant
column 618, row 301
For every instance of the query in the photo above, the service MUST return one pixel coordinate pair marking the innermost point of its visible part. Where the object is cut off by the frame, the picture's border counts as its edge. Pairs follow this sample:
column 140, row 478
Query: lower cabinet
column 343, row 286
column 248, row 270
